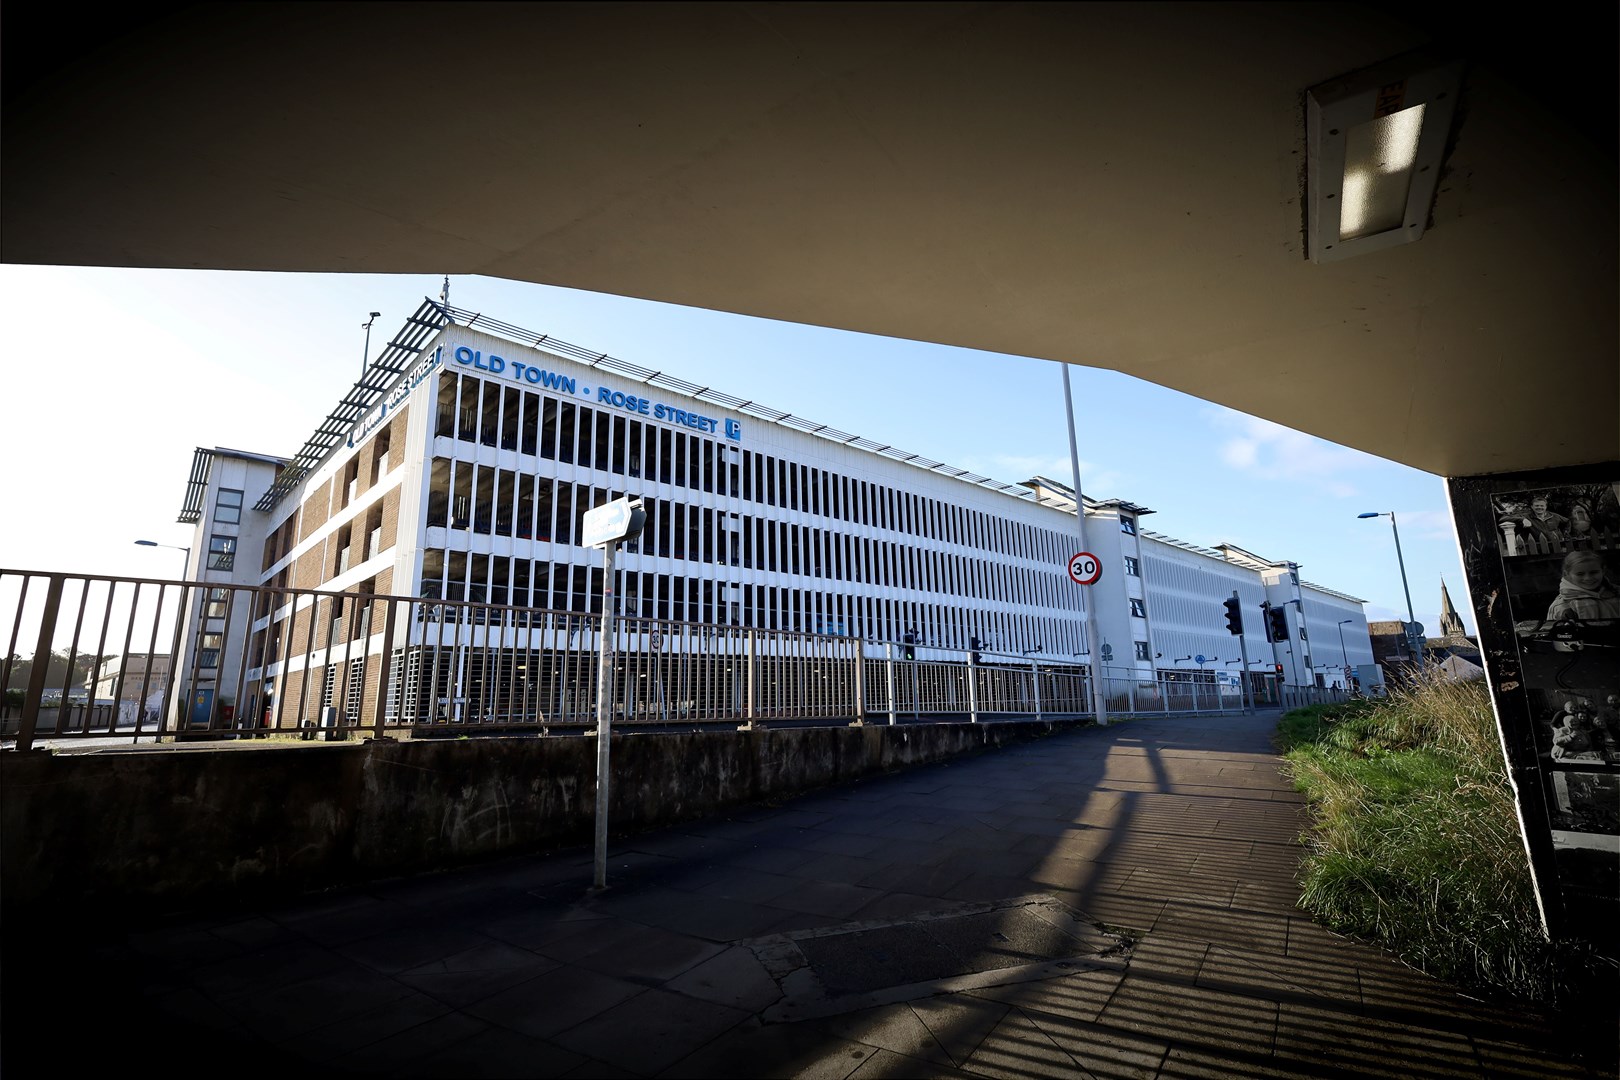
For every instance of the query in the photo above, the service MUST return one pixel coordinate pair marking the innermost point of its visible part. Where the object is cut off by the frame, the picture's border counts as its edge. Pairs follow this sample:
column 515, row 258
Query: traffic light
column 1234, row 617
column 1277, row 623
column 973, row 646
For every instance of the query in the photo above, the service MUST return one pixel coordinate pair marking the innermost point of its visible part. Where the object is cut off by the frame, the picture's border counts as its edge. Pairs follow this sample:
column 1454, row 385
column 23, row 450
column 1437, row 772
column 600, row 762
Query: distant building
column 461, row 464
column 1452, row 650
column 136, row 683
column 1389, row 644
column 131, row 677
column 1451, row 624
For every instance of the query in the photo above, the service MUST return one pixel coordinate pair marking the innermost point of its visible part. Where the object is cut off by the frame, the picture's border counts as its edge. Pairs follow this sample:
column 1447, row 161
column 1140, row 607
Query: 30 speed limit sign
column 1084, row 568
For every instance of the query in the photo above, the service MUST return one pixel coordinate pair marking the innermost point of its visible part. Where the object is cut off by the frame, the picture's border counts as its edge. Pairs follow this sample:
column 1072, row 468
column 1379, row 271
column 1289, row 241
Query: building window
column 1132, row 567
column 1138, row 608
column 221, row 552
column 208, row 654
column 228, row 506
column 1142, row 652
column 1127, row 525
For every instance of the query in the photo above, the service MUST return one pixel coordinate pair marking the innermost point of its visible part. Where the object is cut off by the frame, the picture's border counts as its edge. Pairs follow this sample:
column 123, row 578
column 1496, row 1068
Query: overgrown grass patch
column 1415, row 842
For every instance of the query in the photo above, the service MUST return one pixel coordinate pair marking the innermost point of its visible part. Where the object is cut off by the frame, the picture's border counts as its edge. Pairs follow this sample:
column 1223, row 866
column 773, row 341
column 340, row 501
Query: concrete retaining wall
column 176, row 828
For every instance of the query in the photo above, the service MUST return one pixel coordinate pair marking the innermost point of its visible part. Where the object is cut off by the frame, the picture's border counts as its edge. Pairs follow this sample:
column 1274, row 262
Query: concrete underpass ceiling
column 1111, row 185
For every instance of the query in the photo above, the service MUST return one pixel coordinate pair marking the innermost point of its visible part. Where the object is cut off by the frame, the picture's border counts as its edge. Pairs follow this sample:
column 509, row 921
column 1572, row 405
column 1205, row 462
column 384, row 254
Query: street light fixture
column 176, row 547
column 365, row 357
column 1411, row 619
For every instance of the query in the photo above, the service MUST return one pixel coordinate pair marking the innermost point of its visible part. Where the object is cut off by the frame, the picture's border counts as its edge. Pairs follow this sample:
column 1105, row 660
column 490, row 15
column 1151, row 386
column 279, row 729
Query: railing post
column 385, row 670
column 860, row 681
column 973, row 690
column 888, row 665
column 1035, row 673
column 37, row 675
column 1130, row 695
column 749, row 673
column 604, row 716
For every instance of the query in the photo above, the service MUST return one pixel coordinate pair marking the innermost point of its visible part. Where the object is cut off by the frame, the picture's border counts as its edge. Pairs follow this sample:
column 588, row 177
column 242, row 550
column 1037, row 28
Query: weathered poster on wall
column 1542, row 555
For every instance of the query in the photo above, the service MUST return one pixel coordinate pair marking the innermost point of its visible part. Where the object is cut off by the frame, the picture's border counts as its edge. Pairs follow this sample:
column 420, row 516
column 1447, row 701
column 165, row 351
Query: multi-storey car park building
column 458, row 469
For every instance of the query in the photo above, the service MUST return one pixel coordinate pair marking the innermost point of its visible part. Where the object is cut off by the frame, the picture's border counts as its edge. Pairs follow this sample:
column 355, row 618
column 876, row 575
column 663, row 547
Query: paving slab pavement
column 1108, row 902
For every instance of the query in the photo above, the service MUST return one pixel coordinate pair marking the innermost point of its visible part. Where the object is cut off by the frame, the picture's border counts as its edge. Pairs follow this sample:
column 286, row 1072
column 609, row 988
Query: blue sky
column 118, row 375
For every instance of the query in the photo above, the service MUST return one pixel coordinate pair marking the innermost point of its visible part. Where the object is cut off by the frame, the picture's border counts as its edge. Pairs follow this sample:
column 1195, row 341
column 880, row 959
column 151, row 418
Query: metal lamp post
column 1411, row 619
column 365, row 358
column 1099, row 705
column 1344, row 654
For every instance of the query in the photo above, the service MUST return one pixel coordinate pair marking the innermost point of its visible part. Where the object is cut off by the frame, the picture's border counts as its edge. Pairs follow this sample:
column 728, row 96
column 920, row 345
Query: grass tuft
column 1415, row 839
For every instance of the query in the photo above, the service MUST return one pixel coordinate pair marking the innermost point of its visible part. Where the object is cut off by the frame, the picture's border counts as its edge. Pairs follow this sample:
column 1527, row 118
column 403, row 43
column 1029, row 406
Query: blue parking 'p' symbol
column 734, row 430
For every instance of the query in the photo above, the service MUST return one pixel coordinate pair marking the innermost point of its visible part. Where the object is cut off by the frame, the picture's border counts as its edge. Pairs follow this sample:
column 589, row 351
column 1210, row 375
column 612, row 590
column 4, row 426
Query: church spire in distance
column 1451, row 624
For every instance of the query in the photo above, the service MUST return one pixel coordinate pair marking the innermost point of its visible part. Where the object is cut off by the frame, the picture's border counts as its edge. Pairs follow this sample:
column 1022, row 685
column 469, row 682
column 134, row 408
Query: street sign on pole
column 604, row 711
column 620, row 519
column 1084, row 568
column 604, row 527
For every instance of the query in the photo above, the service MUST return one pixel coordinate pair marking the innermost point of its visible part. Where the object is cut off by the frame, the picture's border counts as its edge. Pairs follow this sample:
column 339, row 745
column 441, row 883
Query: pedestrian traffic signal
column 1277, row 623
column 1234, row 617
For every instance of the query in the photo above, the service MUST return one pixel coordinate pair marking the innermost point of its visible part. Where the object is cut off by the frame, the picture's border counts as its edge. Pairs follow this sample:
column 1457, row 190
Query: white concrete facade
column 750, row 522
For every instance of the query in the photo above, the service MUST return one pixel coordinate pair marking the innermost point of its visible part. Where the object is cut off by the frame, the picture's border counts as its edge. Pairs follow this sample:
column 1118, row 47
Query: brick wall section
column 286, row 713
column 298, row 638
column 315, row 510
column 281, row 540
column 390, row 518
column 376, row 669
column 396, row 436
column 314, row 690
column 307, row 569
column 320, row 615
column 367, row 451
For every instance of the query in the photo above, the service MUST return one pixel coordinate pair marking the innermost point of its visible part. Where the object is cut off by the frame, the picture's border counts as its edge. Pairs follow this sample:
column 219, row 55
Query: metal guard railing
column 258, row 661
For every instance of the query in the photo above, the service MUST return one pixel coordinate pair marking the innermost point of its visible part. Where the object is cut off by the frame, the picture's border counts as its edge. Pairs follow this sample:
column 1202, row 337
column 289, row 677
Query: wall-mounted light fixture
column 1375, row 141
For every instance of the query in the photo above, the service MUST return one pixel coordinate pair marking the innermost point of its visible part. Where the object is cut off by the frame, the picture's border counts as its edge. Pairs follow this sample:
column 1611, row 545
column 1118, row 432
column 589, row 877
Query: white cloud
column 1274, row 452
column 1427, row 524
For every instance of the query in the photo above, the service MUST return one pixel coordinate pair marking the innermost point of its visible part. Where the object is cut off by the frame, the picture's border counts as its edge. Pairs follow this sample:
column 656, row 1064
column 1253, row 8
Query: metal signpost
column 605, row 527
column 1098, row 702
column 1085, row 569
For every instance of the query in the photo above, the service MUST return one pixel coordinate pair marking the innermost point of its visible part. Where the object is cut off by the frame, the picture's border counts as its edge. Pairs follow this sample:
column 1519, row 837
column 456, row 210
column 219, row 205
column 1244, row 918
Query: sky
column 118, row 375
